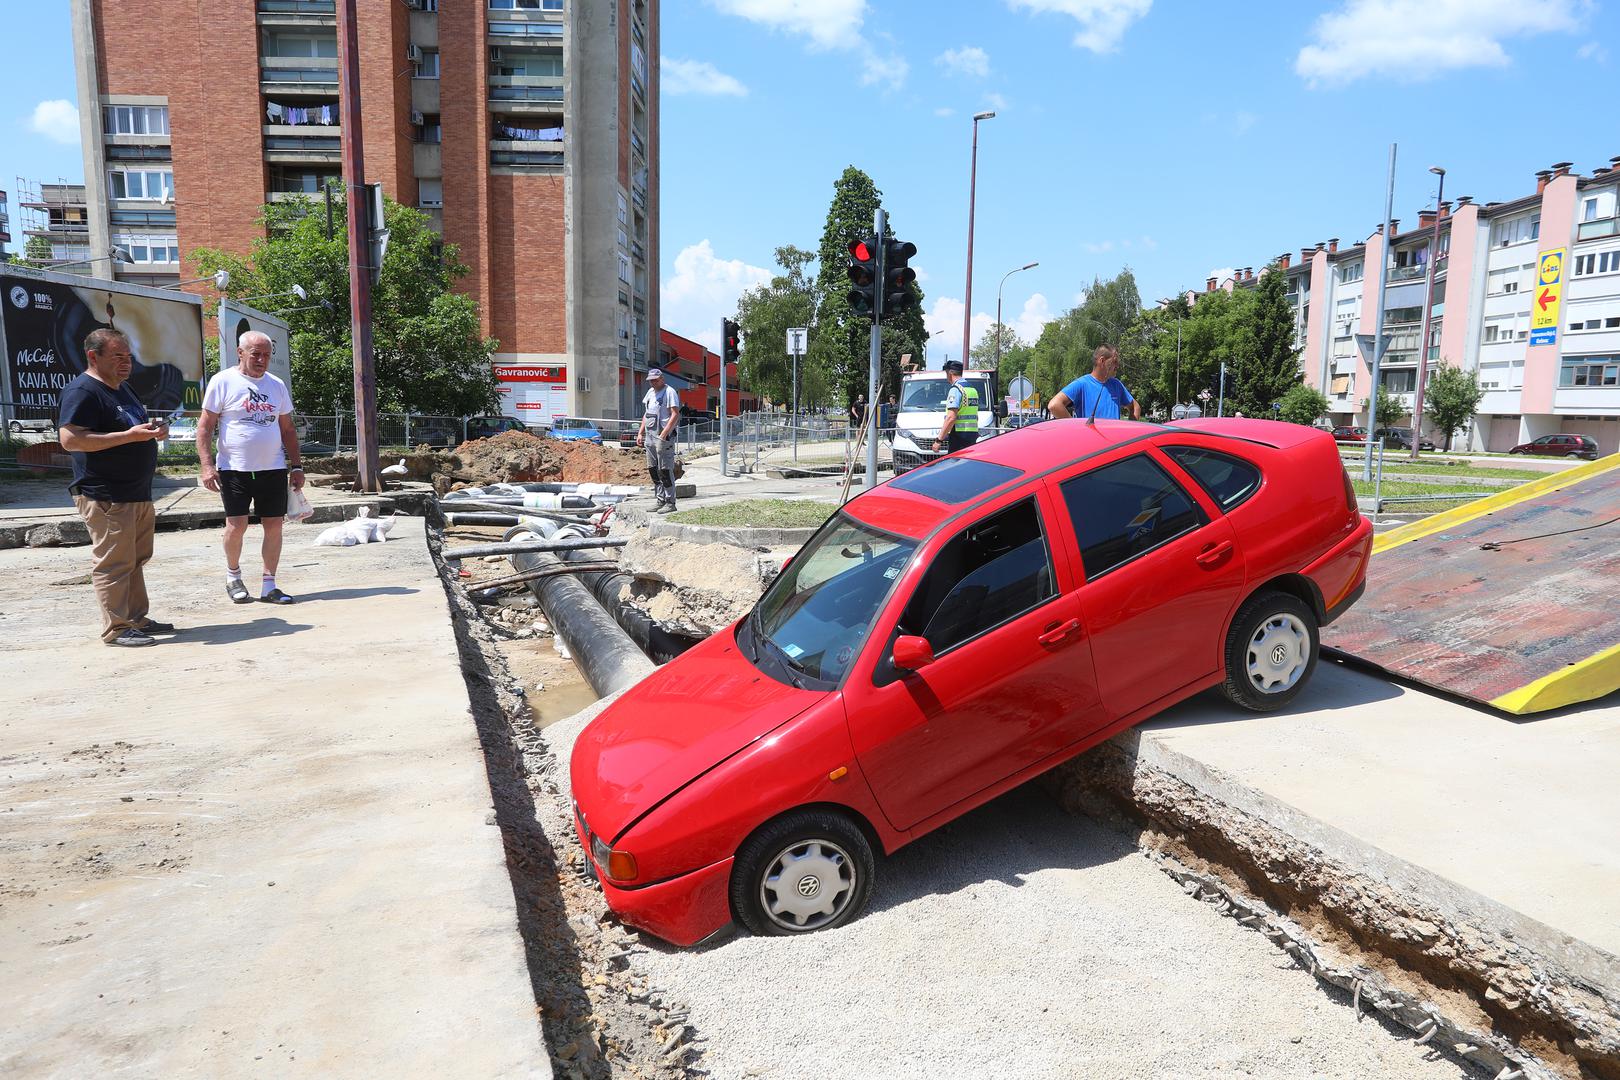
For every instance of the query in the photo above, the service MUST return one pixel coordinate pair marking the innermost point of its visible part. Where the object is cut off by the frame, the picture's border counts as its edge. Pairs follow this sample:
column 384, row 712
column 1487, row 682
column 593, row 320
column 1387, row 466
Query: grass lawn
column 1437, row 468
column 759, row 513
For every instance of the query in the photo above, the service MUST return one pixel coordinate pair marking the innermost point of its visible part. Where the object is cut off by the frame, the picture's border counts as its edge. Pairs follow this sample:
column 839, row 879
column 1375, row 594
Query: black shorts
column 266, row 492
column 960, row 440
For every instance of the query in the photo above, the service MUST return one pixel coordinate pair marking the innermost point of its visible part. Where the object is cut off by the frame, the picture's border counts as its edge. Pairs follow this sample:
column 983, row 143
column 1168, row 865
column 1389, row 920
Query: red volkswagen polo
column 951, row 634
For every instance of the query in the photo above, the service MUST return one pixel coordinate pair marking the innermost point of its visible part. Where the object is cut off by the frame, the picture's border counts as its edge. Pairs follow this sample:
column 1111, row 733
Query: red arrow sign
column 1544, row 299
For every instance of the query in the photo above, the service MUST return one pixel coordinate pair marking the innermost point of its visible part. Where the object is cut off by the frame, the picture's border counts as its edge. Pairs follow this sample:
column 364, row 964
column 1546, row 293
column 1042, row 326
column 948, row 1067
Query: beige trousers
column 121, row 544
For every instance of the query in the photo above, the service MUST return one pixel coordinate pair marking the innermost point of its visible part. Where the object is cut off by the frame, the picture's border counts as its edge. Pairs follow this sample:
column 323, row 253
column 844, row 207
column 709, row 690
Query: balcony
column 296, row 13
column 527, row 94
column 302, row 144
column 1407, row 273
column 302, row 76
column 502, row 33
column 518, row 156
column 1597, row 230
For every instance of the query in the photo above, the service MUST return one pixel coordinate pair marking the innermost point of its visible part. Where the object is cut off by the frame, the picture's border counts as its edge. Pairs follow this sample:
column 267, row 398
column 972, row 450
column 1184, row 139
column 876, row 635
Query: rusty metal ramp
column 1512, row 601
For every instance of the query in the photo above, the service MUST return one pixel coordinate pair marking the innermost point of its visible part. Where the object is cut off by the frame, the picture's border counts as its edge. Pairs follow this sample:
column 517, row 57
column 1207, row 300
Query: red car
column 1350, row 434
column 951, row 634
column 1575, row 446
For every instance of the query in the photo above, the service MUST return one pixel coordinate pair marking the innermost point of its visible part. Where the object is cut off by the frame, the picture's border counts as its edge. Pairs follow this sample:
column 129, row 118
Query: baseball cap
column 954, row 365
column 655, row 373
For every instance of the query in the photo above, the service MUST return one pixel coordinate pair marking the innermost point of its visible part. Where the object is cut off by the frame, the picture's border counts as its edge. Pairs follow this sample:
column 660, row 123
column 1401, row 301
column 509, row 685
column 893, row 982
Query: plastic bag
column 298, row 506
column 336, row 536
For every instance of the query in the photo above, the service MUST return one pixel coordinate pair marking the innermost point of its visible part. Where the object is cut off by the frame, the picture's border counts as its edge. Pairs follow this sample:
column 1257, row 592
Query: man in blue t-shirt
column 113, row 442
column 1098, row 394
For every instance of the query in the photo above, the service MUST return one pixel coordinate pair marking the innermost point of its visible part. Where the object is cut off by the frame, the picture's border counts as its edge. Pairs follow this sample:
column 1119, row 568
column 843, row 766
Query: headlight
column 902, row 441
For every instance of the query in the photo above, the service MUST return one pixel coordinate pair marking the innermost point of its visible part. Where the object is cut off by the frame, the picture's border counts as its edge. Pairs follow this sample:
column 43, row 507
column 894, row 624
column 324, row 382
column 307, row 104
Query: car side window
column 1124, row 509
column 990, row 572
column 1225, row 479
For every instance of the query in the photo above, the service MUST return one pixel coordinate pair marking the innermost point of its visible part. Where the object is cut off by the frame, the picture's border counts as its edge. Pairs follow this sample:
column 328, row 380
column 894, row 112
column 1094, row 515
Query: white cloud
column 57, row 120
column 1593, row 50
column 1102, row 22
column 1220, row 274
column 944, row 324
column 1036, row 314
column 969, row 60
column 1098, row 247
column 876, row 67
column 697, row 77
column 703, row 291
column 1242, row 121
column 995, row 102
column 829, row 24
column 944, row 110
column 1410, row 40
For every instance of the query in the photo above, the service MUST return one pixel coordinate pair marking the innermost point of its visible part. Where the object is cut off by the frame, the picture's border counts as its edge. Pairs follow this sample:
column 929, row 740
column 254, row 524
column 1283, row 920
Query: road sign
column 1021, row 388
column 795, row 339
column 1364, row 343
column 1546, row 302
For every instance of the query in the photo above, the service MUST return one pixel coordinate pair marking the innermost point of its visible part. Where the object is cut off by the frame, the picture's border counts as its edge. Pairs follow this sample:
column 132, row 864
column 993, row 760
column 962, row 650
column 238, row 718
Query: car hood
column 674, row 726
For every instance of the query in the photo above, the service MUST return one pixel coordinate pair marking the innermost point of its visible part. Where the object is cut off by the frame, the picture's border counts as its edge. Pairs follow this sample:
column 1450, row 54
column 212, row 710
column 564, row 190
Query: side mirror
column 912, row 652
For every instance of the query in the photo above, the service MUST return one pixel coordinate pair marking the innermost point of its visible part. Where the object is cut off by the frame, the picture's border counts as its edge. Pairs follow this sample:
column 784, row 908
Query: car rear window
column 955, row 480
column 1125, row 509
column 1225, row 479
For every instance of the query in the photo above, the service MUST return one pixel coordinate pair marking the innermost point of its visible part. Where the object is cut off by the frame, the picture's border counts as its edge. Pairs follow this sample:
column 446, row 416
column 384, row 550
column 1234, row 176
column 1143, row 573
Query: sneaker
column 152, row 626
column 665, row 508
column 133, row 639
column 237, row 591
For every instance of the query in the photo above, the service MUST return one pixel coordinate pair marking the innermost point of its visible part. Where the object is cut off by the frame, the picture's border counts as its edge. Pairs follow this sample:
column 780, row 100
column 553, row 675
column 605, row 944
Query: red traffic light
column 859, row 251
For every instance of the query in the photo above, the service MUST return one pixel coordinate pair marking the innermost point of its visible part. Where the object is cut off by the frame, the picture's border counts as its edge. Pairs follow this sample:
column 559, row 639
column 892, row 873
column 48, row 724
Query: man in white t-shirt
column 660, row 412
column 258, row 457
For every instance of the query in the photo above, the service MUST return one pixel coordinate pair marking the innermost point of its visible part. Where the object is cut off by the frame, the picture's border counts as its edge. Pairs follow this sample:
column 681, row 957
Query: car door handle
column 1214, row 553
column 1058, row 631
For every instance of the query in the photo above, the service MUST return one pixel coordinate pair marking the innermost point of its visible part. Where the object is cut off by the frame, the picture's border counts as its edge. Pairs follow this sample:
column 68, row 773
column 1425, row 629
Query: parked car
column 575, row 427
column 1350, row 434
column 1400, row 438
column 19, row 424
column 482, row 427
column 435, row 432
column 951, row 634
column 1575, row 446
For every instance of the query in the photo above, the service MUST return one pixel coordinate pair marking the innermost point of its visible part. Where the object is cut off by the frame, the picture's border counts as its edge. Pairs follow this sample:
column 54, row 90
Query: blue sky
column 1176, row 138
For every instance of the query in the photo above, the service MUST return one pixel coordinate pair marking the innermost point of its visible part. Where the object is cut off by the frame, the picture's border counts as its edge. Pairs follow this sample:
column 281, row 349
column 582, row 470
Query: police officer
column 961, row 426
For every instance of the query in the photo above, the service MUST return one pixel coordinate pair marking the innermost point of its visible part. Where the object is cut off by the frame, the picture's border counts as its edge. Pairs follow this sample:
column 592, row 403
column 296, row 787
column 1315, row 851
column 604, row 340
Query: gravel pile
column 1020, row 941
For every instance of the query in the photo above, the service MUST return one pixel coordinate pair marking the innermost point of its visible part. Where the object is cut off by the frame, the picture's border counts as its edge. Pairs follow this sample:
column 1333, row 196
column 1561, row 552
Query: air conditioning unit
column 584, row 384
column 416, row 117
column 494, row 55
column 413, row 52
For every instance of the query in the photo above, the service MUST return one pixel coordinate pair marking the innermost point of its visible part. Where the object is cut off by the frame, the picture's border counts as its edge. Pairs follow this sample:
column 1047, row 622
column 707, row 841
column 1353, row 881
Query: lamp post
column 1004, row 277
column 973, row 183
column 1428, row 312
column 220, row 278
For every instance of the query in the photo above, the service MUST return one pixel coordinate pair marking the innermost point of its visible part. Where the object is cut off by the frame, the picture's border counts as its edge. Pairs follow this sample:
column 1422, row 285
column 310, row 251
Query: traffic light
column 863, row 270
column 898, row 276
column 730, row 342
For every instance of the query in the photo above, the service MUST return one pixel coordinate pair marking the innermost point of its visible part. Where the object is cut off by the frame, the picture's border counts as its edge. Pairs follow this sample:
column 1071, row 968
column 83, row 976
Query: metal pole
column 1428, row 312
column 880, row 225
column 973, row 185
column 724, row 412
column 354, row 178
column 1378, row 312
column 1220, row 404
column 795, row 408
column 1178, row 359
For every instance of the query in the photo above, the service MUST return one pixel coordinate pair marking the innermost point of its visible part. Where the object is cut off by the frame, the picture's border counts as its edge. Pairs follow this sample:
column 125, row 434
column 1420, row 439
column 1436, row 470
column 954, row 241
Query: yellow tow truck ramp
column 1512, row 601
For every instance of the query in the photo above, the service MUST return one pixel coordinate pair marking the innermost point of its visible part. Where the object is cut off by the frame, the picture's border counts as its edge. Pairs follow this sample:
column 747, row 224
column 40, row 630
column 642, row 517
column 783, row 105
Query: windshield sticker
column 793, row 651
column 892, row 572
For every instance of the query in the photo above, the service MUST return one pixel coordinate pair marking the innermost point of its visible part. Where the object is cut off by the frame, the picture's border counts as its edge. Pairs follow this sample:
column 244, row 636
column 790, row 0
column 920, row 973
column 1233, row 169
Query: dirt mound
column 513, row 457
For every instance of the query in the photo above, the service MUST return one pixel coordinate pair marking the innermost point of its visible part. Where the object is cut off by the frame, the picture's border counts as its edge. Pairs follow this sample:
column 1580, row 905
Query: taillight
column 1349, row 492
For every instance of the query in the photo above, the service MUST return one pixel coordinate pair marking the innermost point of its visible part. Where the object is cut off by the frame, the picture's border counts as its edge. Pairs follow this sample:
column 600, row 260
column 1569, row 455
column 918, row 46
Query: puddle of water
column 559, row 702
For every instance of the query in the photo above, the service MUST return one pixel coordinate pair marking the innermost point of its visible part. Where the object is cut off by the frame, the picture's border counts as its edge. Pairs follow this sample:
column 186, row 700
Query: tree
column 765, row 313
column 36, row 252
column 1390, row 408
column 841, row 348
column 1064, row 350
column 1451, row 396
column 985, row 354
column 1303, row 405
column 1268, row 363
column 431, row 355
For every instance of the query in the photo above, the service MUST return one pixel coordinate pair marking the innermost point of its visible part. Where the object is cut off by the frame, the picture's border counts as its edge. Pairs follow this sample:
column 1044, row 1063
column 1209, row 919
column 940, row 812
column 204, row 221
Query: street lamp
column 297, row 290
column 973, row 183
column 1428, row 311
column 220, row 278
column 118, row 255
column 1004, row 277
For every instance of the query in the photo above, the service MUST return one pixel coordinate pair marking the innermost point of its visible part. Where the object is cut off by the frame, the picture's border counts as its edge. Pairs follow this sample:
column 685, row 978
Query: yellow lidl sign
column 1549, row 292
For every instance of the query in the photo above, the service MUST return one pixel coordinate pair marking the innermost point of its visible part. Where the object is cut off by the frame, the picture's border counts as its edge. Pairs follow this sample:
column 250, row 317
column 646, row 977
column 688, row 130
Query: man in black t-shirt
column 105, row 428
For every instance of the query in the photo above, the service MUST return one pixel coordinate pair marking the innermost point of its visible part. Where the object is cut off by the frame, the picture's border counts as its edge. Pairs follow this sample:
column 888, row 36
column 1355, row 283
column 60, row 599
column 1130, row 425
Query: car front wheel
column 1270, row 651
column 807, row 870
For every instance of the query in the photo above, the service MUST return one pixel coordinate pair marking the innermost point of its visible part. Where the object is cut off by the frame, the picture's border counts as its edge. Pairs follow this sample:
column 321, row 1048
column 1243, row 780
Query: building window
column 525, row 29
column 1517, row 230
column 136, row 120
column 1590, row 371
column 525, row 5
column 540, row 64
column 1500, row 282
column 141, row 184
column 1349, row 273
column 1589, row 211
column 300, row 45
column 145, row 250
column 430, row 130
column 1399, row 381
column 428, row 66
column 430, row 194
column 429, row 5
column 624, row 268
column 1598, row 262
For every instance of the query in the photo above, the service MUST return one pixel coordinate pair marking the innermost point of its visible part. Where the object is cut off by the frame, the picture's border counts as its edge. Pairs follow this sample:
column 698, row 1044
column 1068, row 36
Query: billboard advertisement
column 236, row 319
column 533, row 393
column 45, row 317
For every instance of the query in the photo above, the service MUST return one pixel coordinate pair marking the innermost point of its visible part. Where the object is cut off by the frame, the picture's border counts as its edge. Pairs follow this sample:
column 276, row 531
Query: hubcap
column 808, row 885
column 1278, row 653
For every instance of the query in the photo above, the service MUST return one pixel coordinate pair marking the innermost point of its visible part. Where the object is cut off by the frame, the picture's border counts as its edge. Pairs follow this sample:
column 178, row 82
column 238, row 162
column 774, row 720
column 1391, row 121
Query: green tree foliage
column 840, row 348
column 1265, row 360
column 1390, row 410
column 36, row 252
column 1450, row 397
column 984, row 352
column 765, row 314
column 1303, row 404
column 431, row 356
column 1064, row 350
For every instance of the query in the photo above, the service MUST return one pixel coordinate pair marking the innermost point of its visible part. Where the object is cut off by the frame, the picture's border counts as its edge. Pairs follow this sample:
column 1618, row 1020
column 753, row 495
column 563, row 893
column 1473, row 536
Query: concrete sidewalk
column 264, row 847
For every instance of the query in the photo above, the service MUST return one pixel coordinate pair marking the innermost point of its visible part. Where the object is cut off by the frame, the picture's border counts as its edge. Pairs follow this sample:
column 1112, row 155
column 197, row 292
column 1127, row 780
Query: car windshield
column 570, row 423
column 819, row 610
column 928, row 395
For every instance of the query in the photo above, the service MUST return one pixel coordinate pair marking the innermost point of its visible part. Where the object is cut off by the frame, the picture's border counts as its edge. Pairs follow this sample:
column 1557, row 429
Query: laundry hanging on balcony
column 517, row 134
column 295, row 115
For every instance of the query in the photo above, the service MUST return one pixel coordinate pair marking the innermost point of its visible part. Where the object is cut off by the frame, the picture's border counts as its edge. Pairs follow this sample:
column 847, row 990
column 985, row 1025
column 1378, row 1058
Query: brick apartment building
column 526, row 129
column 1484, row 285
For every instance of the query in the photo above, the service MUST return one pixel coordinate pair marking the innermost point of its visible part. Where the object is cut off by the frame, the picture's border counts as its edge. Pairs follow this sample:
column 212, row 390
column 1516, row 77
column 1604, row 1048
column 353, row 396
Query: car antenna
column 1092, row 419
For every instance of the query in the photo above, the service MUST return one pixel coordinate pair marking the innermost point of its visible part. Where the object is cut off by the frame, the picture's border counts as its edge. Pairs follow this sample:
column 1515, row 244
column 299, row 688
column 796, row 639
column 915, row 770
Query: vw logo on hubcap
column 809, row 885
column 1279, row 654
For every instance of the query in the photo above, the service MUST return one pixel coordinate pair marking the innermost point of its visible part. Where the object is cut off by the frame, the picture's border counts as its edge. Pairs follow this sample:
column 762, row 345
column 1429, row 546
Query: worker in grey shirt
column 661, row 411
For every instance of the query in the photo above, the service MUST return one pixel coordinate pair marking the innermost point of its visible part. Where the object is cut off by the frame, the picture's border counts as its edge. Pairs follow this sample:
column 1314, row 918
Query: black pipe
column 608, row 586
column 605, row 653
column 480, row 519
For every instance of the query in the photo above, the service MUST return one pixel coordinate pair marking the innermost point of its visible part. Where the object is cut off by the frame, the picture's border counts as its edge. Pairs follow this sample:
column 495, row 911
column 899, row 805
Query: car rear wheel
column 1270, row 651
column 1572, row 454
column 807, row 870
